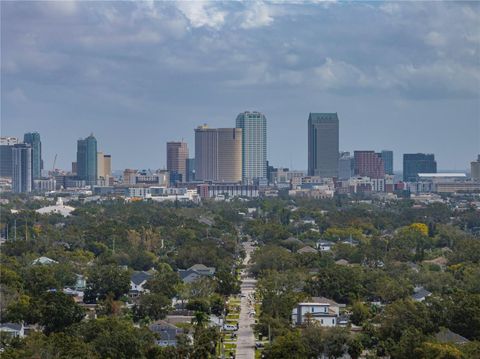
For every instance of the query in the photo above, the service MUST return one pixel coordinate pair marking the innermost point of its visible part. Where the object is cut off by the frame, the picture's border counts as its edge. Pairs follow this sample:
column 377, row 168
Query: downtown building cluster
column 232, row 162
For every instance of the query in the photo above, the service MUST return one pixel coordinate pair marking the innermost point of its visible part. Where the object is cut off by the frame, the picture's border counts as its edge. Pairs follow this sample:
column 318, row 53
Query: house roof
column 447, row 336
column 44, row 260
column 421, row 293
column 203, row 269
column 319, row 300
column 307, row 249
column 342, row 262
column 165, row 330
column 139, row 277
column 326, row 243
column 12, row 326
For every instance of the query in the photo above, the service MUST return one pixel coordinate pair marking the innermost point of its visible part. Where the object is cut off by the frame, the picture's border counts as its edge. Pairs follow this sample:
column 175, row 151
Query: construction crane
column 54, row 162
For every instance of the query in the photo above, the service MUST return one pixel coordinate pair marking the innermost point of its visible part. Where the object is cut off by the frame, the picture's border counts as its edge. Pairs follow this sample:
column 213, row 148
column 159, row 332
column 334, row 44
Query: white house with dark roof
column 166, row 333
column 420, row 294
column 322, row 310
column 138, row 281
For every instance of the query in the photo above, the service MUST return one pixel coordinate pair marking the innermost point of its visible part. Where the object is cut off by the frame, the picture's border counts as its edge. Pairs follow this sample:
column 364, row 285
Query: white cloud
column 257, row 14
column 339, row 75
column 202, row 13
column 435, row 39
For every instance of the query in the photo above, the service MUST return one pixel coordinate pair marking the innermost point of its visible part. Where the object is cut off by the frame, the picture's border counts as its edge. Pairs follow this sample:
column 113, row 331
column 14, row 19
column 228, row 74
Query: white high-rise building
column 254, row 145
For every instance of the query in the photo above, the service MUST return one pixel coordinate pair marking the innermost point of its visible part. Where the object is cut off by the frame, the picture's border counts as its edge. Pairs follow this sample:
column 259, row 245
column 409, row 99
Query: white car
column 229, row 327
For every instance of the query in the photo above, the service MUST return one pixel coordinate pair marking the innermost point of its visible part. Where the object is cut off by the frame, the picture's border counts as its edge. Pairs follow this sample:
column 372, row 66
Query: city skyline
column 165, row 67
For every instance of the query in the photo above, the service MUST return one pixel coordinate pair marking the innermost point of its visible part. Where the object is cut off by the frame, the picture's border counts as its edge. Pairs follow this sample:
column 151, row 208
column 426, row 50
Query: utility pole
column 15, row 229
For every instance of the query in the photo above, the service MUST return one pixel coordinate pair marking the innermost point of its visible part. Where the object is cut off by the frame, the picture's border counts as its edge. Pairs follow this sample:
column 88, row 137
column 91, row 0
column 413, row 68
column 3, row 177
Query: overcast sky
column 401, row 76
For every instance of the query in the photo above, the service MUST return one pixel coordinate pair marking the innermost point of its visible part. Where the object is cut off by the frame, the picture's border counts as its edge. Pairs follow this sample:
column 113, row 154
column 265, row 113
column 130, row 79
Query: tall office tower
column 387, row 157
column 346, row 166
column 323, row 138
column 22, row 175
column 475, row 169
column 87, row 160
column 218, row 154
column 33, row 138
column 104, row 165
column 206, row 153
column 254, row 145
column 229, row 155
column 415, row 163
column 369, row 164
column 6, row 155
column 177, row 155
column 190, row 169
column 107, row 165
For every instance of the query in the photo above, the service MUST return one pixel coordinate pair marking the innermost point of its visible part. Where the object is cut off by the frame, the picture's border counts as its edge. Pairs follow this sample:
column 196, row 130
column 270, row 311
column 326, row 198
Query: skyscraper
column 346, row 166
column 415, row 163
column 177, row 154
column 33, row 138
column 387, row 157
column 22, row 176
column 323, row 138
column 218, row 154
column 369, row 164
column 229, row 155
column 254, row 145
column 6, row 155
column 475, row 169
column 206, row 151
column 87, row 160
column 104, row 165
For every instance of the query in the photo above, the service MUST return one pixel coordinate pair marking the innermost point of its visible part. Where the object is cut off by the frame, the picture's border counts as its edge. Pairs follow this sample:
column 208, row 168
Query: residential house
column 44, row 260
column 420, row 294
column 195, row 272
column 307, row 249
column 322, row 310
column 325, row 246
column 13, row 329
column 166, row 333
column 138, row 281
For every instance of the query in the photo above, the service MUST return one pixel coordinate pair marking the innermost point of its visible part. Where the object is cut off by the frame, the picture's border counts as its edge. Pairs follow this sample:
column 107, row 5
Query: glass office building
column 323, row 148
column 33, row 139
column 254, row 145
column 415, row 163
column 87, row 160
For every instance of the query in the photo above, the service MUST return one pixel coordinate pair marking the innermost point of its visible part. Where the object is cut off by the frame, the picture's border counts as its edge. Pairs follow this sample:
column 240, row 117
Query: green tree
column 152, row 305
column 287, row 346
column 59, row 311
column 360, row 313
column 106, row 279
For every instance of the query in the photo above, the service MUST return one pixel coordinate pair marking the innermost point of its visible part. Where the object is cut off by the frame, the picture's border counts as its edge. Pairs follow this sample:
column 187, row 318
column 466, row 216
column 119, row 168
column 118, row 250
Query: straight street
column 245, row 334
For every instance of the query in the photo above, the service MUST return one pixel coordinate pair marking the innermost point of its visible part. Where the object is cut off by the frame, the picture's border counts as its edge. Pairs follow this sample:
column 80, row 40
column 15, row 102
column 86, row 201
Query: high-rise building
column 22, row 176
column 387, row 157
column 323, row 138
column 6, row 155
column 104, row 166
column 107, row 165
column 368, row 164
column 475, row 169
column 346, row 166
column 218, row 154
column 87, row 160
column 206, row 151
column 254, row 145
column 33, row 138
column 415, row 163
column 229, row 155
column 177, row 155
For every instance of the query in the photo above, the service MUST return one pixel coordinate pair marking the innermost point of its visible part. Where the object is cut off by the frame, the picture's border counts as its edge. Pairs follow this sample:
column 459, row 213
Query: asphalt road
column 245, row 336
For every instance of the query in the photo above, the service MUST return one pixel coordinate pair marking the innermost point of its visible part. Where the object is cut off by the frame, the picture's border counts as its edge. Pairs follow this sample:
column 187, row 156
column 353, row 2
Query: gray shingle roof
column 139, row 277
